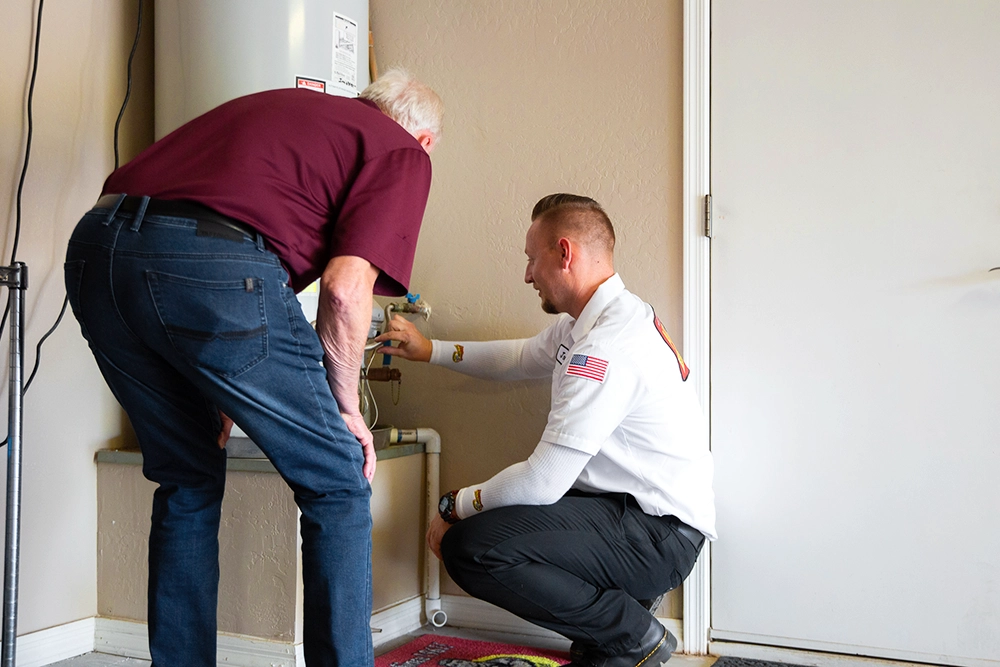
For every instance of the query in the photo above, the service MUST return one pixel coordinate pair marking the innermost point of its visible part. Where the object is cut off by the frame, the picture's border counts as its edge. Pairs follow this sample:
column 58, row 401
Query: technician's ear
column 426, row 139
column 565, row 251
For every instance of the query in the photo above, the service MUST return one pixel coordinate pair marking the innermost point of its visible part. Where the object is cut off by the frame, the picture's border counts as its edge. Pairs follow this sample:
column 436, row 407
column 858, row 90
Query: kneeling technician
column 612, row 508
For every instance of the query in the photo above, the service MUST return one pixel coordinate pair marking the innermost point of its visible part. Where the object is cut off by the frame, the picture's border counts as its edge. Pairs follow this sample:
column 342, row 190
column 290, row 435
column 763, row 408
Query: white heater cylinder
column 211, row 51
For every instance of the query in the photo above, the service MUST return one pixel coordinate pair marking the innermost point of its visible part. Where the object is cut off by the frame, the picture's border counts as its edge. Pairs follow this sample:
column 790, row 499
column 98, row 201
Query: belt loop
column 114, row 210
column 140, row 214
column 260, row 242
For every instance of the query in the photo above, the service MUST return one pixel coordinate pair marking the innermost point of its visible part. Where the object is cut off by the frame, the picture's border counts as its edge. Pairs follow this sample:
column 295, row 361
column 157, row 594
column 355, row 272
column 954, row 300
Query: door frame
column 696, row 346
column 697, row 275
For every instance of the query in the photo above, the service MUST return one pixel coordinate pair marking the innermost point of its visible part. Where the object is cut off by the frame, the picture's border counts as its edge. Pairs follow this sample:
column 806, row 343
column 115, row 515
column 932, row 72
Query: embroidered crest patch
column 459, row 354
column 685, row 371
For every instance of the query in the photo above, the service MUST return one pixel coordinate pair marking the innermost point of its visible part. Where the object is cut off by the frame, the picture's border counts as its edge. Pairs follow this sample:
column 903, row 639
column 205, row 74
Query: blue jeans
column 182, row 325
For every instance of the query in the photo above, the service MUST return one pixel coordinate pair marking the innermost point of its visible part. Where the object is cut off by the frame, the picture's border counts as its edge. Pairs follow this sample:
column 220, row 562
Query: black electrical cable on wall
column 27, row 149
column 24, row 170
column 121, row 113
column 27, row 154
column 38, row 348
column 128, row 82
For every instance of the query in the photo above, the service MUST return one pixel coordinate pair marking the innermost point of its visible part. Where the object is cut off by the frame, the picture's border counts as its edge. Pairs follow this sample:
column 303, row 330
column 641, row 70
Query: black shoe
column 653, row 650
column 578, row 652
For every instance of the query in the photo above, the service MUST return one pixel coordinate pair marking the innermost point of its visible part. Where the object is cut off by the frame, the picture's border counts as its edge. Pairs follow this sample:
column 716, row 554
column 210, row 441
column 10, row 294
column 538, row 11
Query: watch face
column 443, row 504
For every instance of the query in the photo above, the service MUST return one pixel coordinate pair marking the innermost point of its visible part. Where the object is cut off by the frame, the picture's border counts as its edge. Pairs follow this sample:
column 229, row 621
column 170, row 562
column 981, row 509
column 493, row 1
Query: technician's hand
column 356, row 425
column 412, row 344
column 435, row 533
column 227, row 428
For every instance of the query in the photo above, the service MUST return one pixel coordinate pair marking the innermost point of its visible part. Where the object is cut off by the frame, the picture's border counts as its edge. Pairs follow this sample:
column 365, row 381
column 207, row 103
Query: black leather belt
column 210, row 223
column 692, row 535
column 695, row 537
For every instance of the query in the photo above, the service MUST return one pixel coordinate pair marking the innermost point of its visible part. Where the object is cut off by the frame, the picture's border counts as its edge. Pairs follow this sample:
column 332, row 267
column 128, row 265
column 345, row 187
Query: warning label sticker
column 345, row 52
column 319, row 85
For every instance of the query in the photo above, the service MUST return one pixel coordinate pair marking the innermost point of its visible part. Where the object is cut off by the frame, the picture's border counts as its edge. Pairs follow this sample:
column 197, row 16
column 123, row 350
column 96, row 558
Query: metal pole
column 16, row 279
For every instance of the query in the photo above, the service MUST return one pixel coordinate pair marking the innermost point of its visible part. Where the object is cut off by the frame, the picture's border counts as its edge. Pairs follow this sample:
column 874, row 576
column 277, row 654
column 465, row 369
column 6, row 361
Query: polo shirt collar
column 605, row 294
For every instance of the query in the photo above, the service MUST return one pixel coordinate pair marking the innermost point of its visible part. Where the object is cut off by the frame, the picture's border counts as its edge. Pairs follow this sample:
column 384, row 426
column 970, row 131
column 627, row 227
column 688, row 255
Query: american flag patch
column 588, row 367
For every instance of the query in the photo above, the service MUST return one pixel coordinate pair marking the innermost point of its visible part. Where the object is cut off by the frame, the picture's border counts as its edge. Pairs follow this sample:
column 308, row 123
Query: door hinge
column 708, row 216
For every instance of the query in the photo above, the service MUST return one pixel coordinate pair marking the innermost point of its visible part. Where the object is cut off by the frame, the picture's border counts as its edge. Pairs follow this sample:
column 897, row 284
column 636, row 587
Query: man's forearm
column 342, row 323
column 489, row 360
column 343, row 369
column 541, row 480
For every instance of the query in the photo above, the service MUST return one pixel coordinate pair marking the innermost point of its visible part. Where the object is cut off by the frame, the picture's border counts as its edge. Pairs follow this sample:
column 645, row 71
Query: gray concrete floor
column 100, row 660
column 104, row 660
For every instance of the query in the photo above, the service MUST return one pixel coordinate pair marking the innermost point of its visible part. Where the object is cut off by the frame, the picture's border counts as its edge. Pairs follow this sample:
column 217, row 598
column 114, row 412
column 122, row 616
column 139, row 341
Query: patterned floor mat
column 437, row 651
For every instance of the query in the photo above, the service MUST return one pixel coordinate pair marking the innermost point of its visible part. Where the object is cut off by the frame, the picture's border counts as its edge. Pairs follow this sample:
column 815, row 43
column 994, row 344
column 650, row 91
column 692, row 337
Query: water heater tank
column 211, row 51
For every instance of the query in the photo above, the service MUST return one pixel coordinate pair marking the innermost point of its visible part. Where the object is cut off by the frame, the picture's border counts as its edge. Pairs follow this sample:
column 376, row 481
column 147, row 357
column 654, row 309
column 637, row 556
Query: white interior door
column 856, row 326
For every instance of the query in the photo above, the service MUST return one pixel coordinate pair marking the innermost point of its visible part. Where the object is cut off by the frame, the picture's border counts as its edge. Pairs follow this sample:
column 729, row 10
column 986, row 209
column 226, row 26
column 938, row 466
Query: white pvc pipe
column 432, row 566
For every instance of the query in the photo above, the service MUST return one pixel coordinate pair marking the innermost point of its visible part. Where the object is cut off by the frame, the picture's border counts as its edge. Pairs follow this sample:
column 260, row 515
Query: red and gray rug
column 437, row 651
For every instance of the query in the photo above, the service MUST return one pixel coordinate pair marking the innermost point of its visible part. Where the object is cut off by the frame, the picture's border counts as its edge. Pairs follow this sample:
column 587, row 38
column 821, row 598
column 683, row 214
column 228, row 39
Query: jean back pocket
column 216, row 325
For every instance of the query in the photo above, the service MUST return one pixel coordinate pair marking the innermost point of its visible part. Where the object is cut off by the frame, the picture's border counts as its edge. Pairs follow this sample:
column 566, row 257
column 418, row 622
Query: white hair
column 407, row 101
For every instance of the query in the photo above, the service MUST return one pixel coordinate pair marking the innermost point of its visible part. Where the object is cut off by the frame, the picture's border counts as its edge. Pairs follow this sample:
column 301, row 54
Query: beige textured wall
column 260, row 566
column 260, row 576
column 123, row 503
column 541, row 97
column 258, row 546
column 68, row 413
column 397, row 531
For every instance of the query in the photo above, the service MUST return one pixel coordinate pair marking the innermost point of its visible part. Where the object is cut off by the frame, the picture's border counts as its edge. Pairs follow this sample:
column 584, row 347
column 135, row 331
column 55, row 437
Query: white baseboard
column 124, row 638
column 827, row 657
column 397, row 620
column 467, row 612
column 130, row 639
column 54, row 644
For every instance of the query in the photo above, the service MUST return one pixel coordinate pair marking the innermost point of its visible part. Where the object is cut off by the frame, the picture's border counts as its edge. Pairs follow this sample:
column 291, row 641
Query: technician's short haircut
column 564, row 214
column 407, row 101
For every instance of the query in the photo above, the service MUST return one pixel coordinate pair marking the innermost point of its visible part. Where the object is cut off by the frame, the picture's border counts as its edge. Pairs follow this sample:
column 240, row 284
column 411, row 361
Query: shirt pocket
column 216, row 325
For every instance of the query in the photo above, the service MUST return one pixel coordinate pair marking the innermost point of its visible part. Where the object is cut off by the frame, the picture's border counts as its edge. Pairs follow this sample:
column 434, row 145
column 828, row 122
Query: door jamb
column 697, row 274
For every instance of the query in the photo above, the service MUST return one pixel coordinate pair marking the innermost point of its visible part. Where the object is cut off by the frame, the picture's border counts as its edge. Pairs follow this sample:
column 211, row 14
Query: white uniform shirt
column 619, row 394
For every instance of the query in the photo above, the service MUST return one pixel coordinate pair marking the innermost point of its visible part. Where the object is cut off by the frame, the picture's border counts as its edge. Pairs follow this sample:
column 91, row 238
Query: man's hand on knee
column 356, row 425
column 227, row 428
column 435, row 533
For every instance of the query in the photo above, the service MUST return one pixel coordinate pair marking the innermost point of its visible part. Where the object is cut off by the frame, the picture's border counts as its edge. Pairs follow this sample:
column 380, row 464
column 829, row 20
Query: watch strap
column 446, row 507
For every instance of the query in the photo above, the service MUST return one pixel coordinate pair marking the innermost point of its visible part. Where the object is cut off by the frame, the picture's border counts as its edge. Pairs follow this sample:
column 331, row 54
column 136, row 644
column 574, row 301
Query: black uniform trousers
column 576, row 567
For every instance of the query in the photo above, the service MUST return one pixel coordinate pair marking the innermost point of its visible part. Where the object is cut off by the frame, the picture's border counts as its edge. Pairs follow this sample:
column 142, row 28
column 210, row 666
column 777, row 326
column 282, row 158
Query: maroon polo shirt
column 318, row 176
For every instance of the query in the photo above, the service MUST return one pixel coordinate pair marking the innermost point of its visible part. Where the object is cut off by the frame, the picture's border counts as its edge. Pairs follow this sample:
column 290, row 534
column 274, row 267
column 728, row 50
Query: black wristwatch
column 446, row 507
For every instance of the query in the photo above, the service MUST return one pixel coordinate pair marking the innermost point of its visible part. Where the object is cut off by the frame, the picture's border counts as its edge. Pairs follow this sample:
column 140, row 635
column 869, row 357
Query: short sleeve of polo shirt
column 380, row 218
column 585, row 411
